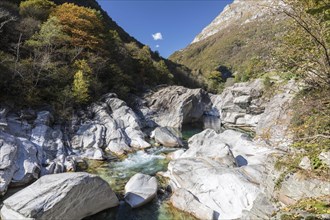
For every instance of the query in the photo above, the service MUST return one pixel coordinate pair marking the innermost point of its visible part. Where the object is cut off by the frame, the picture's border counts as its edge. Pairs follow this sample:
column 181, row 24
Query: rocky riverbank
column 219, row 173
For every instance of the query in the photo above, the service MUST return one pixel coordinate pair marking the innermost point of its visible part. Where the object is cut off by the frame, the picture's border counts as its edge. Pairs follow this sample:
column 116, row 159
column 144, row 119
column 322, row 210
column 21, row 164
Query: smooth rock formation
column 246, row 151
column 3, row 113
column 208, row 144
column 295, row 187
column 166, row 137
column 241, row 104
column 60, row 196
column 184, row 200
column 28, row 162
column 273, row 125
column 8, row 157
column 111, row 125
column 90, row 138
column 18, row 127
column 136, row 137
column 177, row 106
column 208, row 170
column 140, row 189
column 44, row 118
column 262, row 209
column 49, row 139
column 224, row 190
column 176, row 154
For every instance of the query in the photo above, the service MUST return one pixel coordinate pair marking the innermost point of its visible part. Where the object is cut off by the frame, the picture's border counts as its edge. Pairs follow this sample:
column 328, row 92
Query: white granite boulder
column 140, row 189
column 60, row 196
column 166, row 137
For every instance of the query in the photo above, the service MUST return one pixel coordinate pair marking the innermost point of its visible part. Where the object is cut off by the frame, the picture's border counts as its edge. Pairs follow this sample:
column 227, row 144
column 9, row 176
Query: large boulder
column 246, row 151
column 184, row 200
column 111, row 125
column 44, row 118
column 49, row 139
column 208, row 144
column 140, row 189
column 208, row 171
column 90, row 138
column 8, row 156
column 118, row 142
column 296, row 186
column 166, row 137
column 3, row 113
column 177, row 106
column 240, row 105
column 226, row 191
column 273, row 125
column 28, row 162
column 18, row 127
column 262, row 208
column 60, row 196
column 229, row 147
column 136, row 137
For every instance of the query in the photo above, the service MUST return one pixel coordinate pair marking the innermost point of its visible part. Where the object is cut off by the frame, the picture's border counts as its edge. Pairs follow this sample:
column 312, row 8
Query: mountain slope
column 70, row 52
column 239, row 40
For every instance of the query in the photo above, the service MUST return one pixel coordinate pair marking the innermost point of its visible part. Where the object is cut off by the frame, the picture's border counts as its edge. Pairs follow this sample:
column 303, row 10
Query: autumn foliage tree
column 83, row 25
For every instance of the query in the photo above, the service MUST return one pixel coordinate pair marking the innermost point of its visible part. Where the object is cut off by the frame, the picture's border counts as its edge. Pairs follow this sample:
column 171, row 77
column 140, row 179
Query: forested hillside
column 67, row 53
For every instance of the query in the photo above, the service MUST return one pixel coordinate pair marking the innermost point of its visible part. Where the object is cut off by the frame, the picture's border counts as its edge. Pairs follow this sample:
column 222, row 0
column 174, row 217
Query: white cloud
column 157, row 36
column 157, row 46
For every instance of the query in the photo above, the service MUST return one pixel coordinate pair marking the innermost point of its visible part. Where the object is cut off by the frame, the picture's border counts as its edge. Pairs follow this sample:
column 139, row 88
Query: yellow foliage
column 80, row 87
column 81, row 82
column 83, row 25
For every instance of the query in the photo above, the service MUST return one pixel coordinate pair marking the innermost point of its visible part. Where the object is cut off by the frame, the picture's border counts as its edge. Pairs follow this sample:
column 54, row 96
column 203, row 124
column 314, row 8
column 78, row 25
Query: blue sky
column 177, row 21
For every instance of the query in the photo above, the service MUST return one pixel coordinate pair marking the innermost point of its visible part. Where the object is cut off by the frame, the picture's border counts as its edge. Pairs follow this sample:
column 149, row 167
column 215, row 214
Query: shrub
column 39, row 9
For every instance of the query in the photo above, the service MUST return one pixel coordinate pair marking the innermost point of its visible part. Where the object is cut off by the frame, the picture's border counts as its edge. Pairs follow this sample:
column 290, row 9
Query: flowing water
column 148, row 161
column 117, row 172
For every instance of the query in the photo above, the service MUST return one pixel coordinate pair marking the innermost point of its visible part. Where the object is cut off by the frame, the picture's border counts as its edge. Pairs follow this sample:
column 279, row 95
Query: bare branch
column 5, row 18
column 314, row 137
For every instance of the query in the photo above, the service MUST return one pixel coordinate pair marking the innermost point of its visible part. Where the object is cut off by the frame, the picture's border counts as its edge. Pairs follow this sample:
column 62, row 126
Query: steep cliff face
column 241, row 39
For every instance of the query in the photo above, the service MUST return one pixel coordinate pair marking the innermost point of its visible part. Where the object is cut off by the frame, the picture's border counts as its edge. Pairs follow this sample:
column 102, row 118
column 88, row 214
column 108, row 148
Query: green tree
column 81, row 82
column 39, row 9
column 214, row 81
column 46, row 56
column 51, row 35
column 306, row 48
column 165, row 75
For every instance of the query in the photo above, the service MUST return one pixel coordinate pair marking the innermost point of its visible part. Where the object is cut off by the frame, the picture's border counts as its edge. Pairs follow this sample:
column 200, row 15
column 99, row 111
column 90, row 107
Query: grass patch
column 320, row 205
column 311, row 128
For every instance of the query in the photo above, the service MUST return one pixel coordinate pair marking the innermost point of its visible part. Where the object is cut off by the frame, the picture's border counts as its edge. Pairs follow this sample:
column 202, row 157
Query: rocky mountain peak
column 239, row 12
